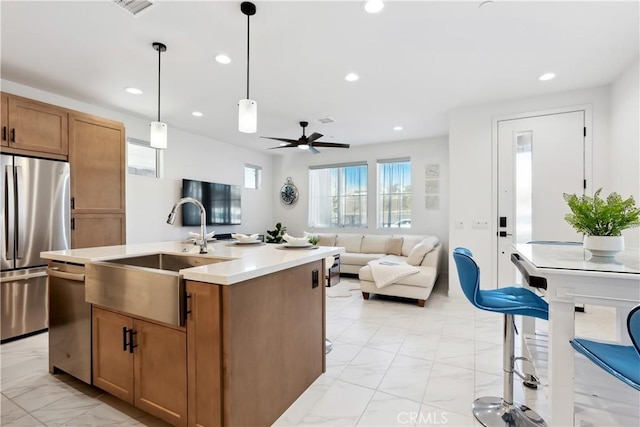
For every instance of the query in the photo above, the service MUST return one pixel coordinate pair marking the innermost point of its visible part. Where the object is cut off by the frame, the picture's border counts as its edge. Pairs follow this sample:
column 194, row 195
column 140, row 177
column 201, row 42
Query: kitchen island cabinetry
column 97, row 158
column 142, row 363
column 34, row 128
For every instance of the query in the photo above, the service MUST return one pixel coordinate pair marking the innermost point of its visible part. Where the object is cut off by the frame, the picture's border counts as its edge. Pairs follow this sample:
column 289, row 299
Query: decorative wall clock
column 288, row 192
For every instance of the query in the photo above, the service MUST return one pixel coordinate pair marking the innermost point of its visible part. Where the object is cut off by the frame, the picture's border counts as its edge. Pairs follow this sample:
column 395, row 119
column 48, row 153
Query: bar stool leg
column 494, row 411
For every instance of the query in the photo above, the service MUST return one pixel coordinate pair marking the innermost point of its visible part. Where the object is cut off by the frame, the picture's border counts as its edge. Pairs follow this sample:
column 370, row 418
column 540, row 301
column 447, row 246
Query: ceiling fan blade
column 330, row 145
column 283, row 146
column 290, row 141
column 313, row 150
column 314, row 136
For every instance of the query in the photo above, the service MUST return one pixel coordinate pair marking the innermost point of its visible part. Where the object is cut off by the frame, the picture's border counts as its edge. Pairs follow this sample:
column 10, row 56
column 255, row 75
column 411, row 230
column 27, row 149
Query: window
column 338, row 196
column 394, row 193
column 142, row 159
column 252, row 177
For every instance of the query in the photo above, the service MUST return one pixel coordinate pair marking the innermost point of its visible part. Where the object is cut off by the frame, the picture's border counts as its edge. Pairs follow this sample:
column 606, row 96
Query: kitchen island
column 251, row 340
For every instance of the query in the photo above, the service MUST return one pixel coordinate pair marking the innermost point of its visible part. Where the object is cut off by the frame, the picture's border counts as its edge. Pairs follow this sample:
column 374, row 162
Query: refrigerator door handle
column 9, row 213
column 21, row 215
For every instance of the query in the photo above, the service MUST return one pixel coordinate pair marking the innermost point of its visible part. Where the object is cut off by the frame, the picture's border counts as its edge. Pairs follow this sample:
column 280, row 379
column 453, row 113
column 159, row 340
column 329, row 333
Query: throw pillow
column 394, row 246
column 417, row 253
column 374, row 244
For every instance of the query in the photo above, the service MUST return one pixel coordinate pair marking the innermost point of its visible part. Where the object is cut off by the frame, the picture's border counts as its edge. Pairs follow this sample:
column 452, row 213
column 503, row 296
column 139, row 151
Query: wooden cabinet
column 32, row 126
column 204, row 357
column 97, row 157
column 141, row 362
column 254, row 346
column 4, row 120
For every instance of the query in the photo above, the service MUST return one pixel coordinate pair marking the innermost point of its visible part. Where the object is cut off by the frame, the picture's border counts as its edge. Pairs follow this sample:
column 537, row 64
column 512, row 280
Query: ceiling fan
column 306, row 142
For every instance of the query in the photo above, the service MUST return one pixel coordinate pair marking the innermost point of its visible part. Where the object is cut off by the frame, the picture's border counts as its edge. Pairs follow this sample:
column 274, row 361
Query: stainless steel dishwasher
column 69, row 321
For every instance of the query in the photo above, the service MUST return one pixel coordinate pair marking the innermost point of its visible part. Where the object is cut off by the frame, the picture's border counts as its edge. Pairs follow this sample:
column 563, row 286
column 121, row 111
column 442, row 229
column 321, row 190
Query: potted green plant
column 602, row 220
column 275, row 235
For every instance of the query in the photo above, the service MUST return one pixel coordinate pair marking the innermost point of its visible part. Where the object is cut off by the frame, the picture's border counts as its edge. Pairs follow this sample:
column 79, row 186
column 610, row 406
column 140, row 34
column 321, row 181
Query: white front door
column 539, row 159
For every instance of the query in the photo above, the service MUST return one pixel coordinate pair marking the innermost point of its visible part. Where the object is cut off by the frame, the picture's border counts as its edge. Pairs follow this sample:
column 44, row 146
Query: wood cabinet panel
column 36, row 126
column 160, row 368
column 97, row 158
column 112, row 366
column 273, row 343
column 4, row 120
column 204, row 358
column 91, row 230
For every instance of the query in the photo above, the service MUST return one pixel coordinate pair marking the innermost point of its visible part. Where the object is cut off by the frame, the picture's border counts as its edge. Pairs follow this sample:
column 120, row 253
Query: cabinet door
column 36, row 126
column 97, row 157
column 93, row 230
column 4, row 122
column 203, row 344
column 160, row 367
column 112, row 364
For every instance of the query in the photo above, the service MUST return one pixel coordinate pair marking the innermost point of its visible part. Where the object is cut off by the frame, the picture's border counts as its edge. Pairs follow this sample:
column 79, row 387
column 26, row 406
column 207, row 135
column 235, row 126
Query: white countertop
column 244, row 261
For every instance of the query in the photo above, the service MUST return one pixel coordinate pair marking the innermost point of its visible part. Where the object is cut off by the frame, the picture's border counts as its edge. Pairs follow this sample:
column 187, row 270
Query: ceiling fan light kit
column 248, row 108
column 158, row 134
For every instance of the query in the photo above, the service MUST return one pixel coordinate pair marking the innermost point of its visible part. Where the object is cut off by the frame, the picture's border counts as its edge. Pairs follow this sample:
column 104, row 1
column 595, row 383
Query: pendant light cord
column 248, row 32
column 159, row 56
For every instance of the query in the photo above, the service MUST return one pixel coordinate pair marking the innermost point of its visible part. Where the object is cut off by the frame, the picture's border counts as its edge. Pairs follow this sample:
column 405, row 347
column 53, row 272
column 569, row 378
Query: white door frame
column 588, row 166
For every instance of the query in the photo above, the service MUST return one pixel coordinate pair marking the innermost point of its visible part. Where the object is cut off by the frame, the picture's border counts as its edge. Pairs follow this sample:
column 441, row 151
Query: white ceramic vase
column 604, row 246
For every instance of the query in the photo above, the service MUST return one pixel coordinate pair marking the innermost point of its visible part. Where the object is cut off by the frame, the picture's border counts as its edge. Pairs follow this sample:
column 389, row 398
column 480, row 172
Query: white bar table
column 574, row 276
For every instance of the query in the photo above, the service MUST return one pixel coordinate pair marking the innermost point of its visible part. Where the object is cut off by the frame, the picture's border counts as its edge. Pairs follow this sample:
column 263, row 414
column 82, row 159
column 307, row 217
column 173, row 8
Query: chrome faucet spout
column 203, row 220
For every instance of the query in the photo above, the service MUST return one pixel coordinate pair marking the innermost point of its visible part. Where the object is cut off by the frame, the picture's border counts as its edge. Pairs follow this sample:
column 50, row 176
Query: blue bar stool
column 621, row 361
column 501, row 411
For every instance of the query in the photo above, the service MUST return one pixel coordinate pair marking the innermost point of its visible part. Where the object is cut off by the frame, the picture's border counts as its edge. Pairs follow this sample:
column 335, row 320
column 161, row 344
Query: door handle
column 9, row 211
column 132, row 333
column 4, row 133
column 504, row 234
column 13, row 135
column 21, row 215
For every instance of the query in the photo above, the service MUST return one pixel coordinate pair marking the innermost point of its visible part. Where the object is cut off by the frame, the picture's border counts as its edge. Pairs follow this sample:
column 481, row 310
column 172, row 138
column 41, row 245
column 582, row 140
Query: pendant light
column 248, row 108
column 158, row 136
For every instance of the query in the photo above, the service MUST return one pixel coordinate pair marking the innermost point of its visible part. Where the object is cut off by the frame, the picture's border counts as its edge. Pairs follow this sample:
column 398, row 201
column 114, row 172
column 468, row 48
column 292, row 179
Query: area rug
column 344, row 289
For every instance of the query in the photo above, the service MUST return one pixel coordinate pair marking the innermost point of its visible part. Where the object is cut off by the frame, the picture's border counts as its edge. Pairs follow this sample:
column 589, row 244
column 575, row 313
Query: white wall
column 472, row 167
column 149, row 200
column 421, row 152
column 624, row 147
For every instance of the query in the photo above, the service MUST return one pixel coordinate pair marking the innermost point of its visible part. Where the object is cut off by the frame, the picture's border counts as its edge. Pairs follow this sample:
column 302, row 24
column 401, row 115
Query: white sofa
column 362, row 248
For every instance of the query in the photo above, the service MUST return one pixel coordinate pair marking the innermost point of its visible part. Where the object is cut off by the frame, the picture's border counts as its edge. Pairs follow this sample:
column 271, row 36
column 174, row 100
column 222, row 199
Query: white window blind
column 252, row 177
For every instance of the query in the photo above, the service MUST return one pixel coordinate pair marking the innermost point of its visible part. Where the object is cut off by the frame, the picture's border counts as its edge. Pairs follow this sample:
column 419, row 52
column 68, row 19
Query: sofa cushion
column 350, row 242
column 374, row 244
column 351, row 258
column 417, row 254
column 425, row 278
column 326, row 239
column 408, row 242
column 394, row 246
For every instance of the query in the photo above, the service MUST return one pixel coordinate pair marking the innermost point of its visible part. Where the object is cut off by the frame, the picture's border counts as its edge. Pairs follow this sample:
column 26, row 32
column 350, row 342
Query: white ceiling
column 416, row 60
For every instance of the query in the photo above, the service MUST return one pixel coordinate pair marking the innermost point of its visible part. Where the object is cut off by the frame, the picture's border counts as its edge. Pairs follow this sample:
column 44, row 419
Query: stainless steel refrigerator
column 35, row 217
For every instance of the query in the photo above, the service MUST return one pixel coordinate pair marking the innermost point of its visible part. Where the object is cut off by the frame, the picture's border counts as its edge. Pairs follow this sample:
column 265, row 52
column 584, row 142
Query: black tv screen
column 221, row 201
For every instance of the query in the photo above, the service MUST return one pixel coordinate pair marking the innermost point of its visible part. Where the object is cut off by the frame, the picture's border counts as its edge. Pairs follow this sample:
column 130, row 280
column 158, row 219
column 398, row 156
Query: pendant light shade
column 247, row 116
column 248, row 108
column 158, row 135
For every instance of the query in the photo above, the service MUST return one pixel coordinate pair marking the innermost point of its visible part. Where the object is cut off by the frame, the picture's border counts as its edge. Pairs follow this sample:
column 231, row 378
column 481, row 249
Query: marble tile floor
column 393, row 364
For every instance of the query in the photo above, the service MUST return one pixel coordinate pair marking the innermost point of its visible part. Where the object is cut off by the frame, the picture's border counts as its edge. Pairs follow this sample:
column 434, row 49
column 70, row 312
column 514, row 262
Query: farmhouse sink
column 148, row 286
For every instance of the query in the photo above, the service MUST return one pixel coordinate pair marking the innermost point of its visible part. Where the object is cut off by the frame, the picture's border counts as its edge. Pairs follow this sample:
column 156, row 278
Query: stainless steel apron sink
column 148, row 286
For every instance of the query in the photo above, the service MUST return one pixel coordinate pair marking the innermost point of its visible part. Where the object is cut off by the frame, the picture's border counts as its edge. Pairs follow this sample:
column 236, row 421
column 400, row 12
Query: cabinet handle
column 124, row 338
column 13, row 135
column 187, row 306
column 73, row 223
column 131, row 345
column 73, row 203
column 4, row 133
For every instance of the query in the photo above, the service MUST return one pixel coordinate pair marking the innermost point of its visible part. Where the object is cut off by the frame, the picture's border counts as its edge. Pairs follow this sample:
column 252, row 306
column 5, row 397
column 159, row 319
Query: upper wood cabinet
column 29, row 125
column 97, row 158
column 4, row 122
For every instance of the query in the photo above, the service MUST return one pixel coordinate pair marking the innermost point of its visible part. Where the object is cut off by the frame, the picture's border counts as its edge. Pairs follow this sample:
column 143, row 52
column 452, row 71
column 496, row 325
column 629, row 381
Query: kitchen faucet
column 203, row 220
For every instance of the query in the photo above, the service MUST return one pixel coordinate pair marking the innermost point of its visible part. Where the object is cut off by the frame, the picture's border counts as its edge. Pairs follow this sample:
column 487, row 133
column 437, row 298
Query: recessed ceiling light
column 373, row 6
column 351, row 77
column 133, row 90
column 546, row 76
column 397, row 128
column 223, row 59
column 196, row 114
column 485, row 5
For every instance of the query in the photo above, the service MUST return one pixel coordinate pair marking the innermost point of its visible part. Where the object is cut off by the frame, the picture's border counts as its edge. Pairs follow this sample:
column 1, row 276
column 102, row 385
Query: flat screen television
column 221, row 201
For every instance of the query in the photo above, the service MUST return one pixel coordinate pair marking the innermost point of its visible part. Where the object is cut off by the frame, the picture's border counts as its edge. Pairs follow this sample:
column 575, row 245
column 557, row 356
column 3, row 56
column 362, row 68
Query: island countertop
column 244, row 262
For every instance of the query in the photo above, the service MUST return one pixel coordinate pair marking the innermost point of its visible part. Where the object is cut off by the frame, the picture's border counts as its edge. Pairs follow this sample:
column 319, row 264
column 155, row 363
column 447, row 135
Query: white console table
column 574, row 276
